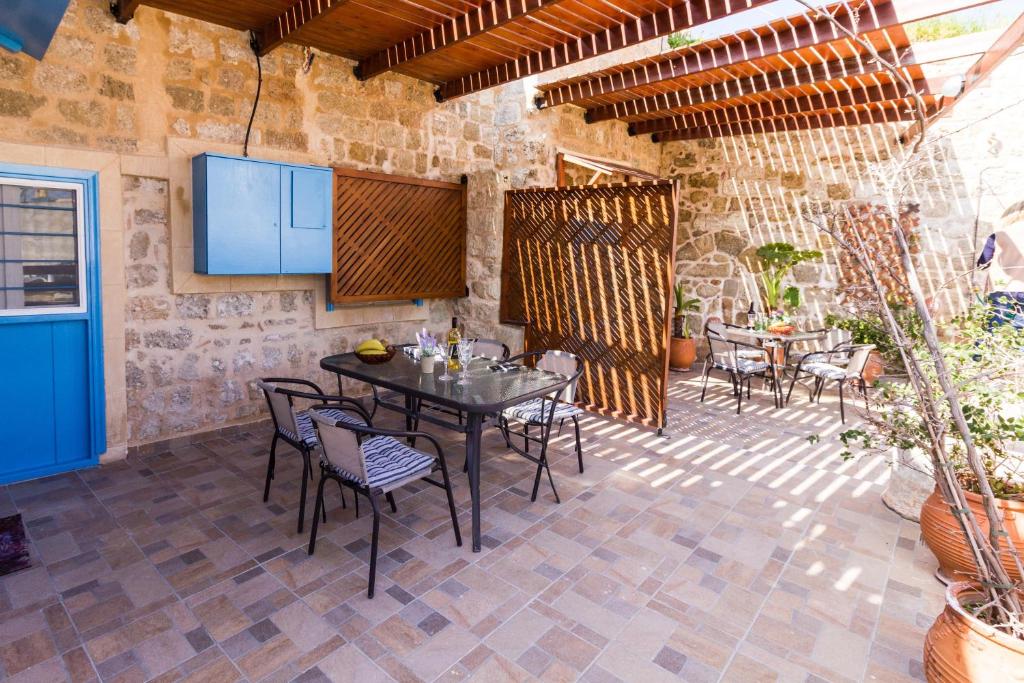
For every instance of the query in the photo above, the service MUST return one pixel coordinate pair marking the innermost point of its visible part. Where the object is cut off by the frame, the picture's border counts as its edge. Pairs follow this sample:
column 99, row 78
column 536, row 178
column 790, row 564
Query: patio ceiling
column 464, row 46
column 795, row 73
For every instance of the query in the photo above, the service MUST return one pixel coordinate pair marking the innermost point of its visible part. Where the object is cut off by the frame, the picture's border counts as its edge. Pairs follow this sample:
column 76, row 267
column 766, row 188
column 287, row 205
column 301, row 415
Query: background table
column 482, row 399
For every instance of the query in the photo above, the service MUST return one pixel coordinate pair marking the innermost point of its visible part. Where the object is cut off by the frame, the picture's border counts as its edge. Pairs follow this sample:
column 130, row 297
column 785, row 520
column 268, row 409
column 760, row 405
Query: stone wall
column 191, row 358
column 742, row 192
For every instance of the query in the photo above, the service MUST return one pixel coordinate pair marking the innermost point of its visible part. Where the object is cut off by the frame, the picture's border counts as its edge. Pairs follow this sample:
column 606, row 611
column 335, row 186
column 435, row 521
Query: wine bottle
column 751, row 315
column 454, row 337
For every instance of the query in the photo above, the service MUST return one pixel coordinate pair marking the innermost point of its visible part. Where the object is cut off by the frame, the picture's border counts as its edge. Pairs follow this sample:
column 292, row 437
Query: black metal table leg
column 410, row 402
column 473, row 433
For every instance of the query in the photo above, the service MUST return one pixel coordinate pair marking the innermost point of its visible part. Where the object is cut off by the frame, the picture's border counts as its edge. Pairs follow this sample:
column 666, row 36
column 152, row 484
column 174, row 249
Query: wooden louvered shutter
column 397, row 238
column 589, row 270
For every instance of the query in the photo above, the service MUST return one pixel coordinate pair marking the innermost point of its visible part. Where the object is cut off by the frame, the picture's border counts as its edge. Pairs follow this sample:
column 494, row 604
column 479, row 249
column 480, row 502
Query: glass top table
column 488, row 392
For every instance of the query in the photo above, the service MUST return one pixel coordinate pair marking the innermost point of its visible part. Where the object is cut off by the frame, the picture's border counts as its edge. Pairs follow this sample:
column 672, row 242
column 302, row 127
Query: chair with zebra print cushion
column 373, row 463
column 741, row 361
column 544, row 411
column 843, row 364
column 295, row 427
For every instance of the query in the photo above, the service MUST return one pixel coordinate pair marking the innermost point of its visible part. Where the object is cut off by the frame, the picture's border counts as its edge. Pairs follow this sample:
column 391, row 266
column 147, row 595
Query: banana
column 370, row 345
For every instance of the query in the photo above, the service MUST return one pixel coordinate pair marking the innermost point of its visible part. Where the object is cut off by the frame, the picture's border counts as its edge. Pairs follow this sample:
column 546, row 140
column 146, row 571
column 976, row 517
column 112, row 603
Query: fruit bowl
column 377, row 358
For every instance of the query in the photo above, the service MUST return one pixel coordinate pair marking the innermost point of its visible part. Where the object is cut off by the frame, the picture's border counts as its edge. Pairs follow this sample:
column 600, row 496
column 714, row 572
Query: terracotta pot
column 959, row 647
column 682, row 353
column 946, row 540
column 874, row 368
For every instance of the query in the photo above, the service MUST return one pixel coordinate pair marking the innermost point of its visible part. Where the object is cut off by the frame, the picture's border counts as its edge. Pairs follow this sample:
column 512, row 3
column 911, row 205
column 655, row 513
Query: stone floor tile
column 731, row 548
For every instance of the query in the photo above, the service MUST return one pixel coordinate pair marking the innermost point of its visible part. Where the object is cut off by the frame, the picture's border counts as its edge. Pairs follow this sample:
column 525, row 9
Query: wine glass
column 444, row 358
column 465, row 351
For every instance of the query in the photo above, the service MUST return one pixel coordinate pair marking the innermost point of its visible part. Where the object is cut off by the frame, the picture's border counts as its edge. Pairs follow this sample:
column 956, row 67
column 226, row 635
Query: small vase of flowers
column 428, row 350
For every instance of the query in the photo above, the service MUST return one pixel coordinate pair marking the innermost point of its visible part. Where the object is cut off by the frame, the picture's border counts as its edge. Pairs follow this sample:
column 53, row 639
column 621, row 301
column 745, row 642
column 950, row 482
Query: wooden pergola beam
column 829, row 119
column 490, row 15
column 630, row 31
column 278, row 31
column 124, row 10
column 872, row 17
column 1003, row 47
column 683, row 100
column 801, row 104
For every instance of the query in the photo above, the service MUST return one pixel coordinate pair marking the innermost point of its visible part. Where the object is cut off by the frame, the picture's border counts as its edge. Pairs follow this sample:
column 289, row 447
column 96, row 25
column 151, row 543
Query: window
column 41, row 247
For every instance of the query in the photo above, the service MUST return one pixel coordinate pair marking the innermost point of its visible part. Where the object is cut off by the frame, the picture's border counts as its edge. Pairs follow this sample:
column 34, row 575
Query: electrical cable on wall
column 254, row 44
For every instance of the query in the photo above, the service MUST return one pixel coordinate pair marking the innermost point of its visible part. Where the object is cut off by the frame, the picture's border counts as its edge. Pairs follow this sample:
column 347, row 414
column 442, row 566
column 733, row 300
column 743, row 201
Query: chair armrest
column 327, row 400
column 292, row 380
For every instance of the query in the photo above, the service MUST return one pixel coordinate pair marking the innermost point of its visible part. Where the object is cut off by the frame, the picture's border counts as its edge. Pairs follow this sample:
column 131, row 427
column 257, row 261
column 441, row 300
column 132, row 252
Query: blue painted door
column 52, row 399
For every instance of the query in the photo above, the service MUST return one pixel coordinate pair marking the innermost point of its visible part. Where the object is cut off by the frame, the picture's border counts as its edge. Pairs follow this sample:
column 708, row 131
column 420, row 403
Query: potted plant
column 980, row 633
column 776, row 260
column 683, row 348
column 867, row 327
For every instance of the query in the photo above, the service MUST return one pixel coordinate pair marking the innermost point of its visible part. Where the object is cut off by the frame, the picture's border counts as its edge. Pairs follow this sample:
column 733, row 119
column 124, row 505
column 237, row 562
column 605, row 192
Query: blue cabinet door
column 237, row 216
column 305, row 220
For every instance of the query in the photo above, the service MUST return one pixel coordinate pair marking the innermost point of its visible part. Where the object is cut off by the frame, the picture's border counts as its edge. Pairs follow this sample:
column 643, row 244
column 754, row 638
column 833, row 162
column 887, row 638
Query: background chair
column 542, row 412
column 295, row 427
column 824, row 368
column 736, row 358
column 491, row 348
column 373, row 463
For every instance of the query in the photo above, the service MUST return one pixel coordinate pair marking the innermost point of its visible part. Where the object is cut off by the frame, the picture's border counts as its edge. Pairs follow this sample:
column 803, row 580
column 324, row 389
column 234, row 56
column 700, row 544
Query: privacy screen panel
column 589, row 270
column 397, row 238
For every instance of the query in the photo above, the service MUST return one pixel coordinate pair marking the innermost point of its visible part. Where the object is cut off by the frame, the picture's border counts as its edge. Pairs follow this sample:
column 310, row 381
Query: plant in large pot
column 962, row 404
column 866, row 326
column 986, row 641
column 683, row 348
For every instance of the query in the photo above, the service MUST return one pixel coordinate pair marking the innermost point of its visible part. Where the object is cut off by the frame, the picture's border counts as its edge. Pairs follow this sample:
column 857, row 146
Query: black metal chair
column 295, row 427
column 843, row 364
column 373, row 462
column 742, row 361
column 541, row 412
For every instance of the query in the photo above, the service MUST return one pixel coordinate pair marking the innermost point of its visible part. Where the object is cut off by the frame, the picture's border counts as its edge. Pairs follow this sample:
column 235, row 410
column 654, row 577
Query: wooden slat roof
column 788, row 71
column 463, row 46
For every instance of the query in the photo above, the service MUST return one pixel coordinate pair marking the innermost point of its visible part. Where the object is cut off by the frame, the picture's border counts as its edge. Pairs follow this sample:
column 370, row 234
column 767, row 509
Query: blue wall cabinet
column 255, row 217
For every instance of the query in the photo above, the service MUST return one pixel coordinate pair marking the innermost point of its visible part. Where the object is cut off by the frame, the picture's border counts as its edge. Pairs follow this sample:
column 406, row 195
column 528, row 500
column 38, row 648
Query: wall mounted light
column 953, row 86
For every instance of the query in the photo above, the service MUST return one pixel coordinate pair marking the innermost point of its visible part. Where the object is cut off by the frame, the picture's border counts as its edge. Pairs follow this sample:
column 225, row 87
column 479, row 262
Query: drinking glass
column 465, row 351
column 444, row 357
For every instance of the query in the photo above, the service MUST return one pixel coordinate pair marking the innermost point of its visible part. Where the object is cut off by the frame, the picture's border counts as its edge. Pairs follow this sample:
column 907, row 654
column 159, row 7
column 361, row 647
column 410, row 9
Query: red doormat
column 13, row 545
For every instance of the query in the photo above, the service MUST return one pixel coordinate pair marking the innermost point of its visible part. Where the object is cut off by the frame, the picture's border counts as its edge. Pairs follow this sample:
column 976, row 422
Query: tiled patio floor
column 731, row 549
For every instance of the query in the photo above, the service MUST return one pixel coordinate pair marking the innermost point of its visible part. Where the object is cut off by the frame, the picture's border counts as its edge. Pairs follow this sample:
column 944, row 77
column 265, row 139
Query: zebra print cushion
column 536, row 411
column 743, row 365
column 387, row 461
column 307, row 433
column 824, row 370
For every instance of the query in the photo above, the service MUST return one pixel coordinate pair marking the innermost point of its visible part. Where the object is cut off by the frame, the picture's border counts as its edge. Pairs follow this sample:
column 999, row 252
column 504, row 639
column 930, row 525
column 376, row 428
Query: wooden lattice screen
column 397, row 238
column 589, row 270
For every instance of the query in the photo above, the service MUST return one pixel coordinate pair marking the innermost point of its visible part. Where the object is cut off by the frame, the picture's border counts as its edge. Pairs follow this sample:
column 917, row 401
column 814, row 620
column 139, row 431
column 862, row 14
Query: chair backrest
column 340, row 445
column 858, row 359
column 490, row 348
column 836, row 337
column 281, row 409
column 564, row 363
column 721, row 350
